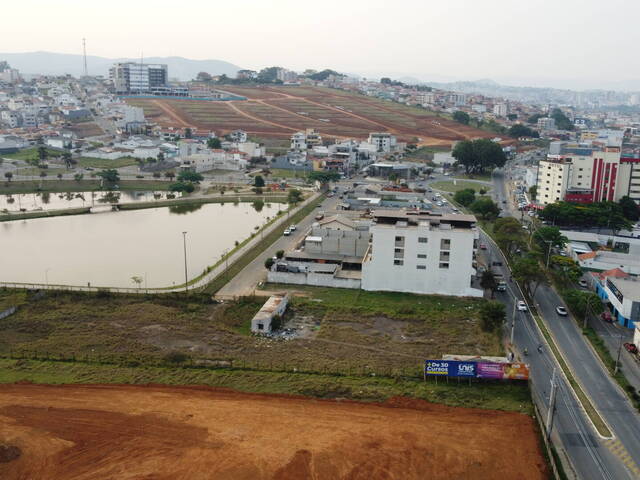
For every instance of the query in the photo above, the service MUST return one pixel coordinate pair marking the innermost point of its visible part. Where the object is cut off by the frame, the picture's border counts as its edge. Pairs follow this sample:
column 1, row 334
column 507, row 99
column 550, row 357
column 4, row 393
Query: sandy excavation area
column 156, row 432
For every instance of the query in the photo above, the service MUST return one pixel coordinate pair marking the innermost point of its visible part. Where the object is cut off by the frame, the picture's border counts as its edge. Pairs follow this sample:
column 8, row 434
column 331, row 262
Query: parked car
column 583, row 283
column 483, row 246
column 292, row 228
column 606, row 316
column 522, row 307
column 496, row 264
column 631, row 348
column 287, row 232
column 560, row 310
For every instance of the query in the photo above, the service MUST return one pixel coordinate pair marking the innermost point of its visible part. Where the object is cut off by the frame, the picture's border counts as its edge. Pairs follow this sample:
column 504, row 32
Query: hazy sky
column 579, row 43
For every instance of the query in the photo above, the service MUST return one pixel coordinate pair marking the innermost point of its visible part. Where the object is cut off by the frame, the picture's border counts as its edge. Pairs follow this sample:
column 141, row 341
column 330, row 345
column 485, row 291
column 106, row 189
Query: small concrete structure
column 275, row 306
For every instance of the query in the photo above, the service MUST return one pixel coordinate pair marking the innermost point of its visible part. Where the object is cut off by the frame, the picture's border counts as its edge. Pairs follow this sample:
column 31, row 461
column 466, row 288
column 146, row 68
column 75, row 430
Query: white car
column 287, row 232
column 521, row 306
column 292, row 228
column 583, row 283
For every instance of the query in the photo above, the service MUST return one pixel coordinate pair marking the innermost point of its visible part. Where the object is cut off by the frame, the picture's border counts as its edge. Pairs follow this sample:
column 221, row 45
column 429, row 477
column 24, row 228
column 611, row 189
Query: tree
column 492, row 316
column 42, row 154
column 188, row 133
column 508, row 234
column 137, row 281
column 485, row 207
column 258, row 181
column 629, row 208
column 78, row 177
column 214, row 143
column 488, row 280
column 549, row 237
column 461, row 117
column 8, row 176
column 268, row 263
column 160, row 157
column 518, row 130
column 533, row 191
column 190, row 176
column 203, row 77
column 568, row 268
column 294, row 196
column 109, row 176
column 562, row 121
column 533, row 119
column 280, row 254
column 579, row 302
column 512, row 116
column 324, row 177
column 528, row 273
column 180, row 186
column 170, row 175
column 59, row 176
column 478, row 155
column 465, row 197
column 66, row 157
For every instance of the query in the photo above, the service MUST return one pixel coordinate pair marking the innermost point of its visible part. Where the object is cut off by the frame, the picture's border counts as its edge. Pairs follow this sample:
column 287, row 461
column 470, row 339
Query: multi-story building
column 546, row 123
column 130, row 77
column 588, row 172
column 500, row 110
column 419, row 252
column 458, row 99
column 303, row 140
column 384, row 142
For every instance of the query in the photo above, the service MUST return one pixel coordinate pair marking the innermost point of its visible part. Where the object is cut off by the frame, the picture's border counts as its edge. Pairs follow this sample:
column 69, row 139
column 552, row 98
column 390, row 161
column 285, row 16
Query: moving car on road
column 522, row 307
column 631, row 348
column 560, row 310
column 583, row 283
column 287, row 232
column 292, row 228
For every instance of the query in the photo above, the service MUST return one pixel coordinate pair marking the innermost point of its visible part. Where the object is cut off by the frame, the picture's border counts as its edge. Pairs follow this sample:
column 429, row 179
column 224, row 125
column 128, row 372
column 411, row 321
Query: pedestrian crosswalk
column 617, row 448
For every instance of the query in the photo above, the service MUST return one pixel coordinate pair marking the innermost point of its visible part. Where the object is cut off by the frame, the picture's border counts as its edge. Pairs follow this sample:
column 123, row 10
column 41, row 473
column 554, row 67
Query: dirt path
column 172, row 113
column 258, row 119
column 84, row 432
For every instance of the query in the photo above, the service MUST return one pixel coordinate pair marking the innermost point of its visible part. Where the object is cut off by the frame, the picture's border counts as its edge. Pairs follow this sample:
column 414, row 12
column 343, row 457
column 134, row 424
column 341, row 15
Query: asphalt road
column 245, row 282
column 591, row 456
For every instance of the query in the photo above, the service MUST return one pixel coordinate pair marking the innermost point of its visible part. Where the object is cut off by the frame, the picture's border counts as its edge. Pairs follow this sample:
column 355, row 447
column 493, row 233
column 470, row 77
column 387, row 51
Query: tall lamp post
column 46, row 277
column 186, row 277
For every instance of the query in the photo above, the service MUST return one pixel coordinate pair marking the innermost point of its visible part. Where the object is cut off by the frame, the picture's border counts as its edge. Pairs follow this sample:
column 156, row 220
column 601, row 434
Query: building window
column 444, row 256
column 421, row 267
column 398, row 253
column 422, row 255
column 423, row 239
column 445, row 244
column 444, row 265
column 398, row 262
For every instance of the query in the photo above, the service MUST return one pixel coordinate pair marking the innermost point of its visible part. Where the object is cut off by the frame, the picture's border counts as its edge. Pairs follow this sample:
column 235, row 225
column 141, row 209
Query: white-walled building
column 418, row 252
column 546, row 123
column 500, row 109
column 383, row 142
column 275, row 306
column 130, row 77
column 624, row 295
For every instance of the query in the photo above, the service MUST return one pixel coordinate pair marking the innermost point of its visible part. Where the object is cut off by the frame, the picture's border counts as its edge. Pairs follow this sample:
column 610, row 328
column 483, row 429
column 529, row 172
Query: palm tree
column 59, row 176
column 42, row 175
column 8, row 175
column 42, row 154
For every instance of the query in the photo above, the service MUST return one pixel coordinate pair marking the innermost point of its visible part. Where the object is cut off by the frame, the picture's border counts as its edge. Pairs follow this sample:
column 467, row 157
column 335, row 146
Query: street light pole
column 549, row 242
column 513, row 320
column 46, row 277
column 186, row 277
column 615, row 370
column 552, row 403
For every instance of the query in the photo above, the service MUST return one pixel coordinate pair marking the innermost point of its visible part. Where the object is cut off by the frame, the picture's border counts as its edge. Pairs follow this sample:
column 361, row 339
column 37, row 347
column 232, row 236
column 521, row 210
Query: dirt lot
column 281, row 111
column 127, row 432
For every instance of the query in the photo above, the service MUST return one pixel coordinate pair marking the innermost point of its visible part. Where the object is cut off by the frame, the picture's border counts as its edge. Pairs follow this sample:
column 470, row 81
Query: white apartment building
column 585, row 174
column 546, row 123
column 11, row 118
column 384, row 142
column 418, row 252
column 426, row 98
column 479, row 108
column 458, row 99
column 130, row 77
column 500, row 109
column 304, row 140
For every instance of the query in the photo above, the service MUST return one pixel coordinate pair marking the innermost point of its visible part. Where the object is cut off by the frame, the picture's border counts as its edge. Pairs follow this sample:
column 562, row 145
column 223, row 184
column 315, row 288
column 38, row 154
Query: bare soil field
column 280, row 111
column 155, row 432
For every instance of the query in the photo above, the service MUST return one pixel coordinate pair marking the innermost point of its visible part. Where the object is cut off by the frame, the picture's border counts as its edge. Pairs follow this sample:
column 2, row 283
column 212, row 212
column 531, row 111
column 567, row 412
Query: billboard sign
column 485, row 370
column 450, row 368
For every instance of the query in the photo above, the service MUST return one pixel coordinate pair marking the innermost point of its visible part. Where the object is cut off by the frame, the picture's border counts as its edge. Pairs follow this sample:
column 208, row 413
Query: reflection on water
column 53, row 201
column 108, row 249
column 184, row 209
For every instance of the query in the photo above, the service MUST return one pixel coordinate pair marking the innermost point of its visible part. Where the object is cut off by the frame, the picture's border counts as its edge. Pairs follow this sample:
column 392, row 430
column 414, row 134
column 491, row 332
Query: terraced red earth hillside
column 136, row 432
column 281, row 111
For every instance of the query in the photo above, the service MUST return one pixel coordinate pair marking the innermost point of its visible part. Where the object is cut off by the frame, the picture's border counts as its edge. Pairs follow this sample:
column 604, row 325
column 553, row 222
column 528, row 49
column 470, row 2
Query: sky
column 561, row 43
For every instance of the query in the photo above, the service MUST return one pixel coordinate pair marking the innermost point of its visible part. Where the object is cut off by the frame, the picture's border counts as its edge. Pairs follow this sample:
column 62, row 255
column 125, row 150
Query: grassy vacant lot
column 85, row 162
column 510, row 397
column 349, row 331
column 30, row 154
column 34, row 171
column 449, row 186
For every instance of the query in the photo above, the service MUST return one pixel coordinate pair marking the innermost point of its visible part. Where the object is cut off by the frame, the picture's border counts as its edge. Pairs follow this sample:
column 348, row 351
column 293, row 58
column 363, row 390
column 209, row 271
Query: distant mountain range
column 49, row 63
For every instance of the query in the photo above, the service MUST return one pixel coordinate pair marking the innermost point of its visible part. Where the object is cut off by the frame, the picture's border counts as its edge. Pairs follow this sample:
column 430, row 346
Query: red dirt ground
column 156, row 432
column 357, row 116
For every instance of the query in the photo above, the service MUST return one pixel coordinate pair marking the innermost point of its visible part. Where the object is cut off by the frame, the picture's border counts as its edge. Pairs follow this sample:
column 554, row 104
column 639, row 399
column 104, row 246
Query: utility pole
column 84, row 54
column 552, row 403
column 548, row 252
column 186, row 278
column 513, row 320
column 615, row 371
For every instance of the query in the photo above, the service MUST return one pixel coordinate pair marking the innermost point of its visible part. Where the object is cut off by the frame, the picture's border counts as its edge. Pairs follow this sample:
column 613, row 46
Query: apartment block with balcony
column 130, row 77
column 421, row 252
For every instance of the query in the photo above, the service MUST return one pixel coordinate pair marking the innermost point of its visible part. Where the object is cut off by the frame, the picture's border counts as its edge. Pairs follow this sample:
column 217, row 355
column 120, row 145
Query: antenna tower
column 84, row 54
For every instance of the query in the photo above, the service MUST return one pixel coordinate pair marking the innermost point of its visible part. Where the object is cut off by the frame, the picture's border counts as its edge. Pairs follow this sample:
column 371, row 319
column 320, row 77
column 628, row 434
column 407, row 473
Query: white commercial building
column 130, row 77
column 624, row 295
column 546, row 123
column 500, row 109
column 418, row 252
